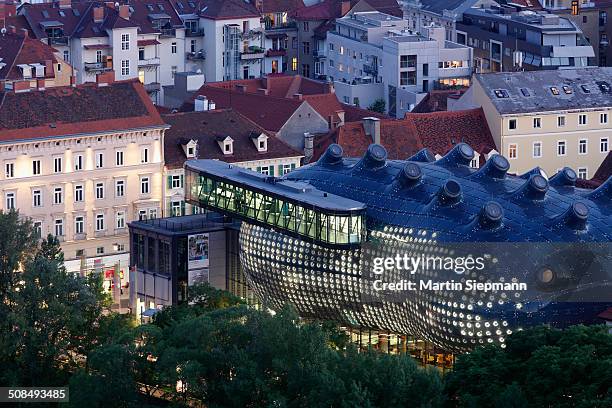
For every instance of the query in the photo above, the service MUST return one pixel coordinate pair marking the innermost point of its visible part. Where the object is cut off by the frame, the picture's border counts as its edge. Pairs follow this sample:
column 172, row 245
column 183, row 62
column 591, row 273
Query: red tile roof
column 207, row 127
column 269, row 112
column 16, row 49
column 279, row 6
column 226, row 9
column 606, row 314
column 354, row 114
column 87, row 108
column 279, row 85
column 438, row 131
column 436, row 101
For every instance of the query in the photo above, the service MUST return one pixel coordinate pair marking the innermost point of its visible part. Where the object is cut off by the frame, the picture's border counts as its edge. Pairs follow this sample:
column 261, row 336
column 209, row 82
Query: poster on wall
column 197, row 251
column 195, row 276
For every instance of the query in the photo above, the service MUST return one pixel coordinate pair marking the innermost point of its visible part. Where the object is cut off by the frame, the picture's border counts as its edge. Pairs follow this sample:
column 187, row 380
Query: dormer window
column 190, row 149
column 226, row 144
column 260, row 140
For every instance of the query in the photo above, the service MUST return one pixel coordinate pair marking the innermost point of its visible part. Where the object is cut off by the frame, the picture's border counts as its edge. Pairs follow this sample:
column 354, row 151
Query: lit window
column 512, row 151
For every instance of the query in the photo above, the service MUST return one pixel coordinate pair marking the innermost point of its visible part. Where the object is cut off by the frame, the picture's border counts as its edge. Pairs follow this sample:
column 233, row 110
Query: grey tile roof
column 549, row 90
column 438, row 6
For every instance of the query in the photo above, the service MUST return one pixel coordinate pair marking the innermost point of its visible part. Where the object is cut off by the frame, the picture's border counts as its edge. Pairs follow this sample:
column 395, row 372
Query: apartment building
column 547, row 119
column 81, row 165
column 140, row 39
column 591, row 16
column 506, row 40
column 444, row 13
column 23, row 59
column 313, row 23
column 280, row 34
column 219, row 134
column 374, row 56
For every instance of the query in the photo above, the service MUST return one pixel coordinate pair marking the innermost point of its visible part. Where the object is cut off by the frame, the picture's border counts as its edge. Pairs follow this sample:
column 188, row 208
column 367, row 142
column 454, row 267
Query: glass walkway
column 293, row 208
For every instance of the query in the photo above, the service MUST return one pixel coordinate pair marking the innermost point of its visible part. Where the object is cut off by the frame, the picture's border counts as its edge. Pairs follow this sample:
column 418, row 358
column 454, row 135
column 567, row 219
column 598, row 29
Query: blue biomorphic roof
column 460, row 203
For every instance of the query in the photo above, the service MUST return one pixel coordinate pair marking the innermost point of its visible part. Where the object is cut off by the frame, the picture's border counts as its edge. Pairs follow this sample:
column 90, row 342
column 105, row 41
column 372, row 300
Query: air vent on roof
column 525, row 92
column 555, row 90
column 585, row 89
column 150, row 7
column 501, row 93
column 62, row 14
column 568, row 90
column 161, row 7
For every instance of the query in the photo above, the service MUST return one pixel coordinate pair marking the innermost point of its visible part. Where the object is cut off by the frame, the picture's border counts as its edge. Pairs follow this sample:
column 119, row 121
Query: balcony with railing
column 167, row 32
column 196, row 56
column 147, row 62
column 194, row 33
column 102, row 66
column 152, row 87
column 276, row 53
column 252, row 52
column 370, row 69
column 62, row 40
column 319, row 54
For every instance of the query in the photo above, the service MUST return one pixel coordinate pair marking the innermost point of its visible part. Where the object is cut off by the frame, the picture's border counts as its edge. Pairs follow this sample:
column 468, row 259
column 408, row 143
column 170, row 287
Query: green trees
column 377, row 106
column 540, row 367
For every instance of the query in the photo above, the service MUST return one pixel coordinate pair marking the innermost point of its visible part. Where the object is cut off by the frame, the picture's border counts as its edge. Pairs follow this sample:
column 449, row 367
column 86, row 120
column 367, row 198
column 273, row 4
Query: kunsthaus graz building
column 452, row 255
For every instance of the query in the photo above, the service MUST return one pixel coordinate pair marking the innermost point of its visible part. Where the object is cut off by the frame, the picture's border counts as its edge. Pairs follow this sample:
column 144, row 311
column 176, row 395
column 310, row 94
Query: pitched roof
column 606, row 314
column 331, row 9
column 353, row 113
column 279, row 85
column 438, row 6
column 87, row 108
column 278, row 6
column 438, row 131
column 16, row 49
column 269, row 112
column 436, row 101
column 207, row 127
column 533, row 91
column 226, row 9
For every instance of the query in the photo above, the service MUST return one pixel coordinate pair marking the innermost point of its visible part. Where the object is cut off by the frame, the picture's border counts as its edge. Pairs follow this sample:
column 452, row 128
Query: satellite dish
column 198, row 71
column 116, row 4
column 3, row 30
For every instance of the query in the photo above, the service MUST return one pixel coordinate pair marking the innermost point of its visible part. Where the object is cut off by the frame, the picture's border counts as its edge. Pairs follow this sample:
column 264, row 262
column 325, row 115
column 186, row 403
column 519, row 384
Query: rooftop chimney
column 21, row 86
column 241, row 88
column 25, row 32
column 262, row 91
column 124, row 11
column 63, row 4
column 49, row 71
column 40, row 84
column 371, row 126
column 2, row 15
column 345, row 7
column 98, row 14
column 200, row 104
column 12, row 29
column 109, row 4
column 10, row 8
column 73, row 80
column 105, row 78
column 298, row 96
column 308, row 147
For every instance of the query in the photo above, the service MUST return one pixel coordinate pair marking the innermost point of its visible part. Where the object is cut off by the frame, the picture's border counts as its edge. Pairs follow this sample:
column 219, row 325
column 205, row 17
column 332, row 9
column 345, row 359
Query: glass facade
column 292, row 217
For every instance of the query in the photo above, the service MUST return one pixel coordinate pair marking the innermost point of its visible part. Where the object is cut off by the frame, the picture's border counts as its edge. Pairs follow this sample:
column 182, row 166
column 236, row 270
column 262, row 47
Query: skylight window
column 525, row 92
column 585, row 89
column 555, row 90
column 501, row 93
column 568, row 90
